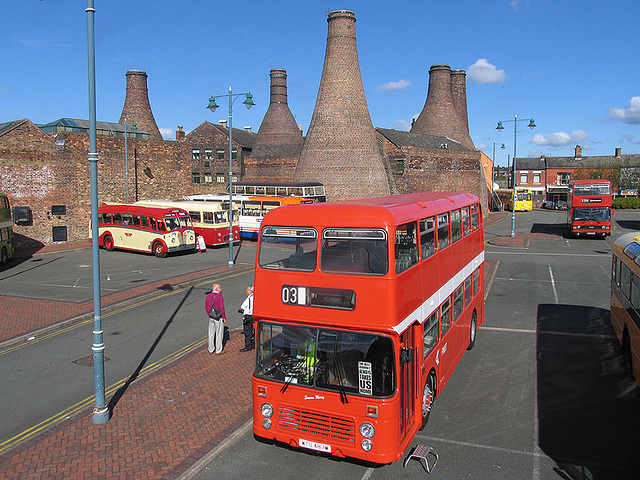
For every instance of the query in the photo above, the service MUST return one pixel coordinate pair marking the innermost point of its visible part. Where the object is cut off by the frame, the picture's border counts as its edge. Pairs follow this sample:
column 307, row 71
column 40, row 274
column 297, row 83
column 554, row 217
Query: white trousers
column 216, row 331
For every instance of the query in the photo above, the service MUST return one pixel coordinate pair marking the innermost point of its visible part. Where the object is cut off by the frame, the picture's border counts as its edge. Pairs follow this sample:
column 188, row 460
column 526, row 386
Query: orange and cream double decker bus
column 210, row 219
column 625, row 299
column 252, row 208
column 363, row 310
column 144, row 229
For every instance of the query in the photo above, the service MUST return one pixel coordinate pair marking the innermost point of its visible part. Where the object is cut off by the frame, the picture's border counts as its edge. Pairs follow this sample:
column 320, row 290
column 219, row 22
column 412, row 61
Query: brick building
column 549, row 177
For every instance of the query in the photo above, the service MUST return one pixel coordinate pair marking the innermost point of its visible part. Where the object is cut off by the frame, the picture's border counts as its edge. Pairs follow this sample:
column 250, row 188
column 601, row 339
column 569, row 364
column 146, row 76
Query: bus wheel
column 5, row 256
column 108, row 243
column 472, row 331
column 428, row 396
column 158, row 250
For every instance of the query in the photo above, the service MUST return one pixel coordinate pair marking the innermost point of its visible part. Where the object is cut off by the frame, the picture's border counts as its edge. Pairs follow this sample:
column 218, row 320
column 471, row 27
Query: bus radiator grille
column 338, row 428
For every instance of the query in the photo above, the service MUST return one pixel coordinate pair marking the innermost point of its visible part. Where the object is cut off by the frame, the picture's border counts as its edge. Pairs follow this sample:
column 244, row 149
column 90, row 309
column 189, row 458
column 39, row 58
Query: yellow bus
column 625, row 299
column 523, row 200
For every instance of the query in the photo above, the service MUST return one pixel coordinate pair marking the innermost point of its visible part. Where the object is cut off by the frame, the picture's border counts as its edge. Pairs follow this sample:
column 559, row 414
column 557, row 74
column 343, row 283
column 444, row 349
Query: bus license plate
column 320, row 447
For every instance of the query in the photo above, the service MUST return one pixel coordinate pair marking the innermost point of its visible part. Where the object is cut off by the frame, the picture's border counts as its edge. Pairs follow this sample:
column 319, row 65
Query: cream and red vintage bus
column 252, row 208
column 625, row 299
column 363, row 310
column 313, row 191
column 210, row 219
column 141, row 228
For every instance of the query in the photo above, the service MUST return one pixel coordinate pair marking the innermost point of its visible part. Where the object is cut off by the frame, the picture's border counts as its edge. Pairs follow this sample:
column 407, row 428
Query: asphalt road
column 52, row 373
column 543, row 394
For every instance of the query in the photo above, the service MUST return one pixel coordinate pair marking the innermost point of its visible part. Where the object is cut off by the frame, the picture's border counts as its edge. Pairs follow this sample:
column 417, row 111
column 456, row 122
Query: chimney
column 441, row 114
column 247, row 128
column 618, row 152
column 278, row 124
column 180, row 135
column 136, row 105
column 578, row 151
column 223, row 123
column 459, row 96
column 341, row 141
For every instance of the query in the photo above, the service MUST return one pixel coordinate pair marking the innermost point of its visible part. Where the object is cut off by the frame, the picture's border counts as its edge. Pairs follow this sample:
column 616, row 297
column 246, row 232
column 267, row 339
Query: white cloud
column 560, row 139
column 630, row 114
column 402, row 125
column 483, row 72
column 392, row 86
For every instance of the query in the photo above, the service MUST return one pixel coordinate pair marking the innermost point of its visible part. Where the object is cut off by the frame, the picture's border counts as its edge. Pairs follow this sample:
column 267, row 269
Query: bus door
column 408, row 362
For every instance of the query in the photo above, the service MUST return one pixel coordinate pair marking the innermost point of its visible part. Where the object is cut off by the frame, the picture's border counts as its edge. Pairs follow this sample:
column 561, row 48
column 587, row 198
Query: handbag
column 215, row 313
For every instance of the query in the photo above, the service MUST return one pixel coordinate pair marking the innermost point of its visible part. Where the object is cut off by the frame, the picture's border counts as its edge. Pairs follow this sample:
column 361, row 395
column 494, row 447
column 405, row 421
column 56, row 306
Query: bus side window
column 127, row 220
column 144, row 222
column 161, row 226
column 635, row 292
column 153, row 224
column 430, row 333
column 195, row 216
column 445, row 315
column 625, row 280
column 475, row 217
column 117, row 219
column 443, row 230
column 136, row 220
column 219, row 217
column 467, row 291
column 105, row 218
column 457, row 303
column 406, row 247
column 456, row 231
column 466, row 221
column 476, row 281
column 207, row 217
column 428, row 236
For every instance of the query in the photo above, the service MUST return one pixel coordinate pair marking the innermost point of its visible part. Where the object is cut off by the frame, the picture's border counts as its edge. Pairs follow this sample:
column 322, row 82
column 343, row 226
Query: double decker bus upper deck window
column 288, row 248
column 443, row 230
column 406, row 247
column 338, row 360
column 428, row 236
column 456, row 231
column 475, row 216
column 591, row 190
column 360, row 251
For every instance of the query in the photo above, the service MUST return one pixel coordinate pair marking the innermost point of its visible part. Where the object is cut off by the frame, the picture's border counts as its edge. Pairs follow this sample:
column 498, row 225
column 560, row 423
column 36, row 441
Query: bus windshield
column 591, row 189
column 288, row 248
column 343, row 361
column 175, row 223
column 598, row 214
column 354, row 251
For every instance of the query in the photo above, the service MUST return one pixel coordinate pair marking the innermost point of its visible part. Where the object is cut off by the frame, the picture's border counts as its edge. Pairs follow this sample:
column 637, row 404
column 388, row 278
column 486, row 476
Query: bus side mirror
column 406, row 355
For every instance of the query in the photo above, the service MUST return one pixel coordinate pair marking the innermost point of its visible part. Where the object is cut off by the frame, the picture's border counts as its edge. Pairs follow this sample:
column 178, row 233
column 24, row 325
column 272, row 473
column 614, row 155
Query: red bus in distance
column 589, row 210
column 363, row 310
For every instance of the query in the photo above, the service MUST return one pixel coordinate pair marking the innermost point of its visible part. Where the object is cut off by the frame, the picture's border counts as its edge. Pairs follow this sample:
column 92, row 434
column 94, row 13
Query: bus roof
column 277, row 184
column 369, row 212
column 156, row 211
column 183, row 204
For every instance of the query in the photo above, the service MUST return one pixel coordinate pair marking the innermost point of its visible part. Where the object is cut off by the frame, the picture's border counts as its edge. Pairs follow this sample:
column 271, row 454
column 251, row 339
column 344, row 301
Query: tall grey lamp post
column 493, row 165
column 248, row 102
column 100, row 409
column 500, row 127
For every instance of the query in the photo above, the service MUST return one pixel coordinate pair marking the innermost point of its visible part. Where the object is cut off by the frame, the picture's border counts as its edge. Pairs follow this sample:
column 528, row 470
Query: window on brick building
column 220, row 153
column 58, row 209
column 195, row 177
column 220, row 178
column 234, row 154
column 195, row 154
column 400, row 166
column 208, row 154
column 564, row 178
column 524, row 178
column 536, row 179
column 208, row 178
column 59, row 234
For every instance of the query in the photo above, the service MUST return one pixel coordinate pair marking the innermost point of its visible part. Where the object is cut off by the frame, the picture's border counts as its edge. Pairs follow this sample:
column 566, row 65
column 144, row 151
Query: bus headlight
column 267, row 410
column 367, row 430
column 366, row 445
column 266, row 423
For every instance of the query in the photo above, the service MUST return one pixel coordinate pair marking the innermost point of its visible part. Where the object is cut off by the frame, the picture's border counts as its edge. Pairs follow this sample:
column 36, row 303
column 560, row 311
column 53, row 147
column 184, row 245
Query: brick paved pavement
column 161, row 426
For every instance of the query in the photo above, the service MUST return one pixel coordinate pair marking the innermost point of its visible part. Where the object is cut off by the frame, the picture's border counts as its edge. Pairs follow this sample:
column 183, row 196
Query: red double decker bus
column 363, row 310
column 589, row 210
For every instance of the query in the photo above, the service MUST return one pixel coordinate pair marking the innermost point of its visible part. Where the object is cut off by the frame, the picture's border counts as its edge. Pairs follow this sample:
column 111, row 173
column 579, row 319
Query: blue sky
column 571, row 65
